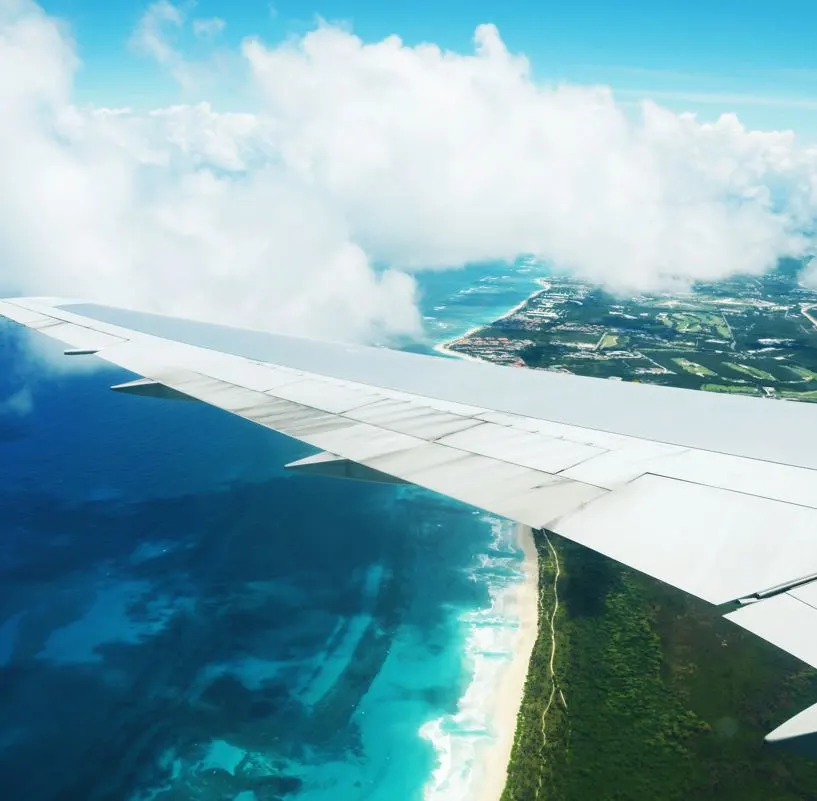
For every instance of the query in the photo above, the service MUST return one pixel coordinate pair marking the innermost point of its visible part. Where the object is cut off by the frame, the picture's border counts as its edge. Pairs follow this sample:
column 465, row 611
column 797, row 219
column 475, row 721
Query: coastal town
column 754, row 335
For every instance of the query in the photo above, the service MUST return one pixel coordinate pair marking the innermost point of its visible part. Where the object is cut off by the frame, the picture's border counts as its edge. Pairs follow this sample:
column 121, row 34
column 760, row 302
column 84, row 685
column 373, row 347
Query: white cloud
column 162, row 210
column 208, row 28
column 361, row 154
column 154, row 29
column 439, row 158
column 808, row 277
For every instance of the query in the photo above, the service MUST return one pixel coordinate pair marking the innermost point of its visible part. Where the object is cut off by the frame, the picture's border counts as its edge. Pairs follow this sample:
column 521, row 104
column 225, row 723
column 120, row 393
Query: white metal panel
column 308, row 428
column 807, row 593
column 460, row 409
column 362, row 442
column 766, row 479
column 44, row 307
column 386, row 411
column 540, row 506
column 431, row 425
column 45, row 323
column 617, row 467
column 292, row 418
column 252, row 375
column 518, row 493
column 211, row 390
column 262, row 407
column 713, row 543
column 412, row 417
column 475, row 476
column 585, row 436
column 79, row 337
column 473, row 479
column 538, row 452
column 784, row 621
column 141, row 357
column 412, row 463
column 76, row 336
column 21, row 315
column 327, row 394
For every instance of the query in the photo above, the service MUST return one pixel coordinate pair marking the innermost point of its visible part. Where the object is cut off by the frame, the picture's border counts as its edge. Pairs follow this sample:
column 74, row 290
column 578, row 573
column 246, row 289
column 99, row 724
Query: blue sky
column 755, row 58
column 353, row 158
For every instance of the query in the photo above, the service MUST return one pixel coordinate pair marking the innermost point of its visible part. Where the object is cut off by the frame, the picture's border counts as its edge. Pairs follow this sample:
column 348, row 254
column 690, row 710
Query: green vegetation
column 693, row 367
column 541, row 745
column 664, row 698
column 608, row 341
column 697, row 322
column 761, row 375
column 803, row 372
column 742, row 389
column 805, row 395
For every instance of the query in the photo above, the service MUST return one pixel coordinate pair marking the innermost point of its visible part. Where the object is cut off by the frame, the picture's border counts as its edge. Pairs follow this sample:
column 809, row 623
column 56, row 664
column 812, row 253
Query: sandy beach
column 507, row 698
column 445, row 347
column 506, row 701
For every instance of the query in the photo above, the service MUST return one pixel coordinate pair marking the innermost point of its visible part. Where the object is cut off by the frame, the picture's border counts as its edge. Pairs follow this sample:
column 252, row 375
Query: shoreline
column 445, row 347
column 506, row 700
column 487, row 781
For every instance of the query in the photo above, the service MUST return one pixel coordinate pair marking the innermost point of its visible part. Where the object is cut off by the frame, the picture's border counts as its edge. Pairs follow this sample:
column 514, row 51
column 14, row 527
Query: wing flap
column 785, row 621
column 714, row 543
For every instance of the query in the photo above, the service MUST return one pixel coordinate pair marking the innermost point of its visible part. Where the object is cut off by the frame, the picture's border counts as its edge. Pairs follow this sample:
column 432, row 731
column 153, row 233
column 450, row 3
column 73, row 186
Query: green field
column 740, row 389
column 793, row 394
column 693, row 367
column 803, row 372
column 754, row 372
column 699, row 322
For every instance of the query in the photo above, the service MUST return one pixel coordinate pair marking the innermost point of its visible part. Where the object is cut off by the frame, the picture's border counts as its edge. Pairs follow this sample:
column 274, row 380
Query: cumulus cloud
column 439, row 158
column 182, row 210
column 363, row 154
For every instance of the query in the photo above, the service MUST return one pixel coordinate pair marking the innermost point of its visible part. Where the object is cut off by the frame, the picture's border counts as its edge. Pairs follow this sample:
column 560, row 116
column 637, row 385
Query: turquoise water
column 179, row 619
column 455, row 301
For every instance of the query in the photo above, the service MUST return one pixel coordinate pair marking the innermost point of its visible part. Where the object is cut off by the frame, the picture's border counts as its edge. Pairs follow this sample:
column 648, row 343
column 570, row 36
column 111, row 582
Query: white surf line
column 553, row 687
column 445, row 347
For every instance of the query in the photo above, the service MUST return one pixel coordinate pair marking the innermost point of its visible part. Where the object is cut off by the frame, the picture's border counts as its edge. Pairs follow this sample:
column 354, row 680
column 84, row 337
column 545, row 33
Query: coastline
column 487, row 781
column 507, row 698
column 444, row 348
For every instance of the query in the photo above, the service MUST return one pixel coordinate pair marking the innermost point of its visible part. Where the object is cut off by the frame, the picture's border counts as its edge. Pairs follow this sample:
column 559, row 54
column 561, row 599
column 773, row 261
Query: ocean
column 180, row 619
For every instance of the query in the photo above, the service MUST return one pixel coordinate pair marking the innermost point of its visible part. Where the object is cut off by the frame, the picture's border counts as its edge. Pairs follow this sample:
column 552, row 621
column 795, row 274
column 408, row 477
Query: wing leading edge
column 726, row 511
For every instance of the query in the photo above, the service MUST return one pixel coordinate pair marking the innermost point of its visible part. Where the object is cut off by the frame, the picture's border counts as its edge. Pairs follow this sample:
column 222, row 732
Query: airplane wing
column 713, row 494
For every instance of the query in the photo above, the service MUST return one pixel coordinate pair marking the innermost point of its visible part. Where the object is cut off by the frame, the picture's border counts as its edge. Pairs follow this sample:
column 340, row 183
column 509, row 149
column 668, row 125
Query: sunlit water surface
column 181, row 620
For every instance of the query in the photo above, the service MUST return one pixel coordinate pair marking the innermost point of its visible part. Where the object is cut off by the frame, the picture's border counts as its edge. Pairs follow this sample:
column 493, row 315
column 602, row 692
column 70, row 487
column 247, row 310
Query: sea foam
column 490, row 632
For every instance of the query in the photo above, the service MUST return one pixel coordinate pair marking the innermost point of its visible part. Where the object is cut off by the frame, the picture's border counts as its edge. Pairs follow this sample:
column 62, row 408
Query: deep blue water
column 179, row 619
